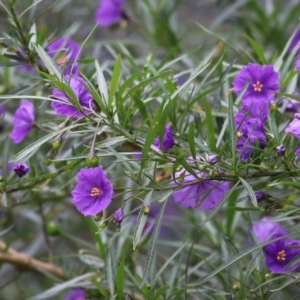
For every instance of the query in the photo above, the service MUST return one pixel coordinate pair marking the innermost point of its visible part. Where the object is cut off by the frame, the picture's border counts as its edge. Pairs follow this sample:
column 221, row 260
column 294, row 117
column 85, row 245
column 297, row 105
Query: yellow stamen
column 281, row 255
column 257, row 86
column 95, row 192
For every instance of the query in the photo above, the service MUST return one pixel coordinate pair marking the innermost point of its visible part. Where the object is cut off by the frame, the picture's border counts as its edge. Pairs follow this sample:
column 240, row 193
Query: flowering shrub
column 136, row 165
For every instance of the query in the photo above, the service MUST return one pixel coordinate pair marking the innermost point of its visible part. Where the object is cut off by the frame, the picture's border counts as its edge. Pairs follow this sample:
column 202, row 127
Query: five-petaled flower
column 23, row 121
column 280, row 253
column 263, row 82
column 93, row 192
column 109, row 12
column 203, row 195
column 21, row 169
column 168, row 140
column 64, row 104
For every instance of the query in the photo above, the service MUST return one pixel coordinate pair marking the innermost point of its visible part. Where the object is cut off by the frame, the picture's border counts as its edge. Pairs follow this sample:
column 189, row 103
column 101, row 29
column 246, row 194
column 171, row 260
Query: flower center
column 96, row 192
column 281, row 255
column 257, row 86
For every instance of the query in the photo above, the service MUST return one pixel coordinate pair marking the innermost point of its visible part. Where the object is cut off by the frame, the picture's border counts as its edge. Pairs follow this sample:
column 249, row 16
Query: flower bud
column 267, row 276
column 260, row 195
column 146, row 209
column 21, row 169
column 98, row 217
column 102, row 225
column 56, row 144
column 280, row 150
column 273, row 106
column 235, row 287
column 119, row 216
column 212, row 159
column 92, row 162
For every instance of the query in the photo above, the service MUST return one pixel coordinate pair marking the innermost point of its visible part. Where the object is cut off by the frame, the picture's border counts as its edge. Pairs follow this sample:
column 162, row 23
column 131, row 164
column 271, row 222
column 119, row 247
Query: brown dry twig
column 25, row 262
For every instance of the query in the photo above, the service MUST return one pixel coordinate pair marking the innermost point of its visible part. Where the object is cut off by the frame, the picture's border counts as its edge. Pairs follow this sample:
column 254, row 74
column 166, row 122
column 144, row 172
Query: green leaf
column 114, row 81
column 58, row 288
column 191, row 140
column 210, row 126
column 249, row 190
column 258, row 50
column 146, row 82
column 120, row 281
column 152, row 247
column 101, row 84
column 49, row 63
column 32, row 148
column 232, row 130
column 170, row 260
column 110, row 272
column 140, row 223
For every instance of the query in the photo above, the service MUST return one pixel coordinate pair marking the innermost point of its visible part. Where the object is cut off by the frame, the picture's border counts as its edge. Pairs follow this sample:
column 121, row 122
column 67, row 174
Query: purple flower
column 263, row 82
column 23, row 121
column 77, row 294
column 204, row 195
column 250, row 110
column 294, row 126
column 260, row 196
column 21, row 169
column 64, row 49
column 93, row 192
column 265, row 229
column 292, row 105
column 295, row 41
column 66, row 46
column 109, row 12
column 280, row 150
column 65, row 107
column 250, row 133
column 280, row 253
column 212, row 159
column 168, row 140
column 119, row 215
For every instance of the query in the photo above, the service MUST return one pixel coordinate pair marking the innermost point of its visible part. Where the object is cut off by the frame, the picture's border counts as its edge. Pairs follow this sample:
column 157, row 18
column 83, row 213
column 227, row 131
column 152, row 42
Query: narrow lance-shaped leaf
column 35, row 146
column 141, row 221
column 152, row 246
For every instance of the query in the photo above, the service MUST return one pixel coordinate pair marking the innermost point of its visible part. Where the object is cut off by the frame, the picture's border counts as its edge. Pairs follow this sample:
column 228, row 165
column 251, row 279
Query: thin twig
column 25, row 262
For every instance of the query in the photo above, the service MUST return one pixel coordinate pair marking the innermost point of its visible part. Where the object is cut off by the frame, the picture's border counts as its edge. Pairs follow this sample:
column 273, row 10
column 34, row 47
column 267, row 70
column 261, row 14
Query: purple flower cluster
column 204, row 195
column 280, row 253
column 262, row 82
column 93, row 192
column 109, row 12
column 65, row 105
